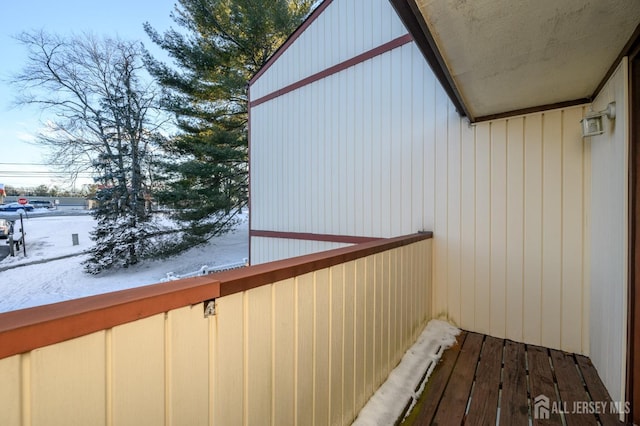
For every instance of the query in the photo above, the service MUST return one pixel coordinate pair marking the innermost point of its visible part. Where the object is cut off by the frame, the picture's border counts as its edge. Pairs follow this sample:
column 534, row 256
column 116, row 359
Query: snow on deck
column 390, row 400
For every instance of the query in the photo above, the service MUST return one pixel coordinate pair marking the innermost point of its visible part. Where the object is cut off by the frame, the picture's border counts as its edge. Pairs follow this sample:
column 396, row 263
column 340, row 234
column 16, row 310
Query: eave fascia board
column 533, row 110
column 632, row 44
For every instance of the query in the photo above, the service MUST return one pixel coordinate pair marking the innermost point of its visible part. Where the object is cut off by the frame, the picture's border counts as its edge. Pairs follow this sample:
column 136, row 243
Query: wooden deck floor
column 487, row 381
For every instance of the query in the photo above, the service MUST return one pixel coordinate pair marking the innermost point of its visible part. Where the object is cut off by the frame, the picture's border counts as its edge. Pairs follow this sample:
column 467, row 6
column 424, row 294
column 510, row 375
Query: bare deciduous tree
column 106, row 122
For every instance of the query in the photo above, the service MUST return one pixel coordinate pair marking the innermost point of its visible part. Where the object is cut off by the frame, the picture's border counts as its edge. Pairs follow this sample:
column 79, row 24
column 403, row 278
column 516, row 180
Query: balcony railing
column 298, row 341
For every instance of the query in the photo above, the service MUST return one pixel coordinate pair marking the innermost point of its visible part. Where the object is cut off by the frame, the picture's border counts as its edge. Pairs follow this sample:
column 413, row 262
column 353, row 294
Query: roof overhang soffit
column 497, row 58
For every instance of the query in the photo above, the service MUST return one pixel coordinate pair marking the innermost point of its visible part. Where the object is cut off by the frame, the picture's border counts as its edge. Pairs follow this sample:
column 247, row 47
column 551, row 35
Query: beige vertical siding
column 378, row 150
column 511, row 242
column 609, row 252
column 188, row 362
column 307, row 350
column 57, row 378
column 11, row 392
column 137, row 361
column 331, row 336
column 284, row 350
column 230, row 380
column 511, row 228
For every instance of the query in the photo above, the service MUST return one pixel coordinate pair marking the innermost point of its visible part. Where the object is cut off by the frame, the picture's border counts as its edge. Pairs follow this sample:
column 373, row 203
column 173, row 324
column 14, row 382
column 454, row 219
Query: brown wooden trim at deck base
column 27, row 329
column 486, row 380
column 307, row 236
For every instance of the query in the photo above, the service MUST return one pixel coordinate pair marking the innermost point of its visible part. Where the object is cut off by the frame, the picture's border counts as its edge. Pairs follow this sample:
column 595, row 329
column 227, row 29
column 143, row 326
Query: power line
column 44, row 171
column 42, row 174
column 32, row 164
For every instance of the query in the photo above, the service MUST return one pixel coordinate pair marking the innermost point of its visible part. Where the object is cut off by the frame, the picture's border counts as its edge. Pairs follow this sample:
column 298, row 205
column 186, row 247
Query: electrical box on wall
column 593, row 122
column 592, row 126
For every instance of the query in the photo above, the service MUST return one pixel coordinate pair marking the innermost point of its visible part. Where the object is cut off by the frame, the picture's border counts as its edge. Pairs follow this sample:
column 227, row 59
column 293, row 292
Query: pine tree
column 222, row 44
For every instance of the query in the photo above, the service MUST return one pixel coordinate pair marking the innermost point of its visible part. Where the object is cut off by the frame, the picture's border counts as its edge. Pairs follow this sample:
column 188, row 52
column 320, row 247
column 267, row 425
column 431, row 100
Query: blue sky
column 123, row 18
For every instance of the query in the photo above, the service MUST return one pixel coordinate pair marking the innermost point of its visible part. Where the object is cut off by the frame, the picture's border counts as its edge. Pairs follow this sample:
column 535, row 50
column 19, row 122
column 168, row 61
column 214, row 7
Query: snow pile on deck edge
column 390, row 400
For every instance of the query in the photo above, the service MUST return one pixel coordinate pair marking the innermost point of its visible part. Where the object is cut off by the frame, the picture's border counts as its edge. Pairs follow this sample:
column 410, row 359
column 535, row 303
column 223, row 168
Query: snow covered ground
column 24, row 282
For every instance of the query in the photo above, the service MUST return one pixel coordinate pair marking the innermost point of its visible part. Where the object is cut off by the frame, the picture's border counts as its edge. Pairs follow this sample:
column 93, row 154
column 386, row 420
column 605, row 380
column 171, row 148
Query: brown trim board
column 531, row 110
column 627, row 50
column 243, row 279
column 28, row 329
column 348, row 239
column 397, row 42
column 632, row 379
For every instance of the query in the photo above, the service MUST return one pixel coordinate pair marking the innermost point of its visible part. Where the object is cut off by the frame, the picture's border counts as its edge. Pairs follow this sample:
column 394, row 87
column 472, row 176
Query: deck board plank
column 541, row 381
column 514, row 408
column 597, row 391
column 452, row 408
column 483, row 408
column 432, row 393
column 522, row 372
column 571, row 389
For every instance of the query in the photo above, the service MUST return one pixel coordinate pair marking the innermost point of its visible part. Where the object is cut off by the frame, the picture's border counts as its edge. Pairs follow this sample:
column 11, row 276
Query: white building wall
column 272, row 249
column 378, row 150
column 344, row 29
column 609, row 231
column 332, row 152
column 511, row 228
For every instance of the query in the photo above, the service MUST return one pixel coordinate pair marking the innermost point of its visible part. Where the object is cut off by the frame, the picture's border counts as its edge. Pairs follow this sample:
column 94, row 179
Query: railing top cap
column 28, row 329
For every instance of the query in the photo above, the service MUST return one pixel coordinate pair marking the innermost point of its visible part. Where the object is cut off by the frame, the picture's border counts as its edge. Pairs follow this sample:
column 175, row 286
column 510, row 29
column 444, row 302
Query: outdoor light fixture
column 592, row 123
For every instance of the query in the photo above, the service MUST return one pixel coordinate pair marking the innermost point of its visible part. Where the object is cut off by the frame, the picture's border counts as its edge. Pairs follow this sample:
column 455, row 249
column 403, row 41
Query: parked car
column 5, row 228
column 14, row 207
column 42, row 204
